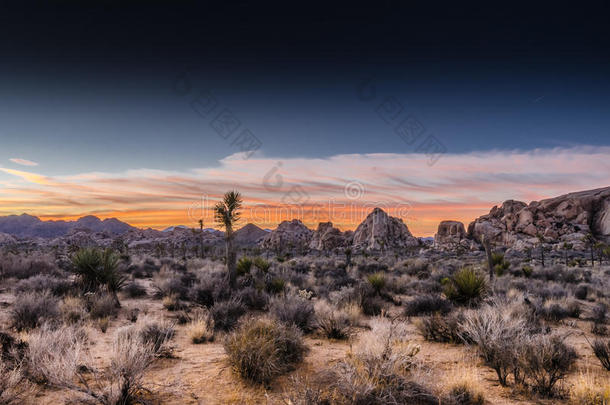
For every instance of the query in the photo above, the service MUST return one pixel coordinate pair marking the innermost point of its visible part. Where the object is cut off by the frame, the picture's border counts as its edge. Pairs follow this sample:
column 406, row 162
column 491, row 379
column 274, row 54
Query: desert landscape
column 291, row 203
column 512, row 309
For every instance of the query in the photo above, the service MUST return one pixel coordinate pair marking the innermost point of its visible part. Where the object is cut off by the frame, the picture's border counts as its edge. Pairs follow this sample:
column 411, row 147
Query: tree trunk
column 542, row 253
column 490, row 266
column 231, row 260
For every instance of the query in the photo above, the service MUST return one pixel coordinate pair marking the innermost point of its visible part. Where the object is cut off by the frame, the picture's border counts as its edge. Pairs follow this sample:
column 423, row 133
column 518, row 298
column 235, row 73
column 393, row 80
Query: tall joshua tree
column 226, row 213
column 201, row 236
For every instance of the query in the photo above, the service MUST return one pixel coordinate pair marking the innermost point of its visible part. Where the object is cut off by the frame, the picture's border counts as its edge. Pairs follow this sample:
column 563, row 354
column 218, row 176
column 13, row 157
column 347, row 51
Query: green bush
column 260, row 350
column 97, row 268
column 276, row 285
column 499, row 264
column 466, row 286
column 261, row 264
column 244, row 265
column 527, row 270
column 377, row 281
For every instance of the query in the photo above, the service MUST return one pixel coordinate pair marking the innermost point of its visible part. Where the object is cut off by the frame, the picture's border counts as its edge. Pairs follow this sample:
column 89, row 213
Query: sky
column 149, row 111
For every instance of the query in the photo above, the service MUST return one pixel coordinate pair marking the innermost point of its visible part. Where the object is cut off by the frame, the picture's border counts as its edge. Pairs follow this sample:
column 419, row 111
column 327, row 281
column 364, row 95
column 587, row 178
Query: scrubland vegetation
column 423, row 327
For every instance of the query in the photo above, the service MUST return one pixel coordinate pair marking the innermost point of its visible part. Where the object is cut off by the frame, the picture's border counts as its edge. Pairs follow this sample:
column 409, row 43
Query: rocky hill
column 327, row 237
column 567, row 218
column 249, row 235
column 288, row 236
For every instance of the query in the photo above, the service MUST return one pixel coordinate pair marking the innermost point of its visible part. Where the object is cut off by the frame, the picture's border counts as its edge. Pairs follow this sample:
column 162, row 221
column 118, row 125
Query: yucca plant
column 226, row 213
column 244, row 265
column 97, row 268
column 377, row 281
column 465, row 287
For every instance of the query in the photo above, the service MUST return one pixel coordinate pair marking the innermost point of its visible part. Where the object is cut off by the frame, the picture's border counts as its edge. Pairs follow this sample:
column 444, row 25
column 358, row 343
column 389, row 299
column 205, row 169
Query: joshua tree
column 226, row 213
column 599, row 247
column 566, row 247
column 487, row 245
column 348, row 256
column 589, row 240
column 201, row 236
column 541, row 243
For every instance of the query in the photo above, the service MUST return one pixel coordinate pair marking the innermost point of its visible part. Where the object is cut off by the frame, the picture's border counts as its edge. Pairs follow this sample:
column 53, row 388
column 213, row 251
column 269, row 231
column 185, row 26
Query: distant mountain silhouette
column 28, row 226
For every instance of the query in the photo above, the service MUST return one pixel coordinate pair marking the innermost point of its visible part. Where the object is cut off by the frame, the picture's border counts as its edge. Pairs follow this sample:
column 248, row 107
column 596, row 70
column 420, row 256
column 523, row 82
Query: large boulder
column 449, row 233
column 380, row 231
column 326, row 237
column 565, row 218
column 288, row 236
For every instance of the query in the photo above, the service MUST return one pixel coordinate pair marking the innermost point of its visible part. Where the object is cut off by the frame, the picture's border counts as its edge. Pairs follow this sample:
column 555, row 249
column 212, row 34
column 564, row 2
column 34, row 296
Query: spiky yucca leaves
column 97, row 268
column 226, row 214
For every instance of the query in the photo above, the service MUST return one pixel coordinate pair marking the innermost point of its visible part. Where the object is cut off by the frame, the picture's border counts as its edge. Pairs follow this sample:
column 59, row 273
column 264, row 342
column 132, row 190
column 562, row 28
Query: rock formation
column 249, row 235
column 380, row 231
column 327, row 237
column 450, row 233
column 567, row 218
column 27, row 226
column 288, row 236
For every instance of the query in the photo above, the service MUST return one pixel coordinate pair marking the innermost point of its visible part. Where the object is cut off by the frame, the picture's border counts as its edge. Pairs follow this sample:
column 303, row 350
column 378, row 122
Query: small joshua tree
column 226, row 213
column 541, row 244
column 589, row 240
column 566, row 248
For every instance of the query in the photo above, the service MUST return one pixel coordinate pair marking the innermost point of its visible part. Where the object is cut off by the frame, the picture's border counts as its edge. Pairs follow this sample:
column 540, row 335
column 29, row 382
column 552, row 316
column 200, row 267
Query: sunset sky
column 150, row 113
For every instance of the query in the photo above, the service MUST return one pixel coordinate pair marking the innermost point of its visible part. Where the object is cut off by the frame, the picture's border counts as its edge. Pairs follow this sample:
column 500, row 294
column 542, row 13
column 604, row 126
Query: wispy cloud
column 459, row 186
column 23, row 162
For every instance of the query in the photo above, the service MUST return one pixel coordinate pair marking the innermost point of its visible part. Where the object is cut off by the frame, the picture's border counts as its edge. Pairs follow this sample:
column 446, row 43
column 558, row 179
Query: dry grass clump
column 14, row 386
column 463, row 386
column 32, row 309
column 101, row 305
column 260, row 350
column 72, row 310
column 332, row 322
column 377, row 370
column 201, row 328
column 589, row 389
column 43, row 282
column 602, row 352
column 134, row 289
column 59, row 358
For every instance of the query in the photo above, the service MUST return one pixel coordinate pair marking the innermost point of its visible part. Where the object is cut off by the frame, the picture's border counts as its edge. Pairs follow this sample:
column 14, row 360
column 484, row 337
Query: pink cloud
column 458, row 186
column 23, row 162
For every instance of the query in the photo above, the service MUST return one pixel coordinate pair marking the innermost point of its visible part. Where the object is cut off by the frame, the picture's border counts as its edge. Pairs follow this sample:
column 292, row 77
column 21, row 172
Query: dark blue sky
column 90, row 87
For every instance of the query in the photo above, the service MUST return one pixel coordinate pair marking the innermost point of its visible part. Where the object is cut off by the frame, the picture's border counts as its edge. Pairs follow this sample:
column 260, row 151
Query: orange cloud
column 341, row 188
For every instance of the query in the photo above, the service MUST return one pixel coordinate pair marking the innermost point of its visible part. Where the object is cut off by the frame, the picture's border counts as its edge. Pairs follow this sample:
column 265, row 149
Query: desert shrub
column 372, row 305
column 527, row 271
column 377, row 369
column 254, row 298
column 167, row 283
column 427, row 304
column 372, row 267
column 305, row 392
column 294, row 310
column 20, row 267
column 31, row 310
column 210, row 287
column 42, row 282
column 157, row 336
column 172, row 303
column 201, row 328
column 72, row 310
column 463, row 394
column 134, row 290
column 496, row 334
column 227, row 313
column 332, row 322
column 59, row 358
column 599, row 313
column 103, row 324
column 101, row 305
column 545, row 360
column 275, row 285
column 602, row 352
column 553, row 311
column 442, row 329
column 260, row 350
column 15, row 389
column 425, row 286
column 377, row 282
column 581, row 291
column 465, row 287
column 243, row 266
